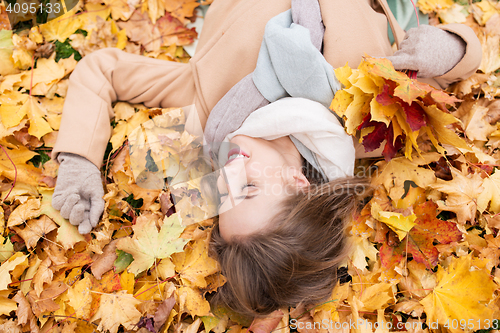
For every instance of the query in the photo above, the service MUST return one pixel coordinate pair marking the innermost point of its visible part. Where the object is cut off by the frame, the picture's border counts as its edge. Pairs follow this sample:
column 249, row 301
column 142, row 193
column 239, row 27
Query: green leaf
column 40, row 159
column 64, row 50
column 122, row 261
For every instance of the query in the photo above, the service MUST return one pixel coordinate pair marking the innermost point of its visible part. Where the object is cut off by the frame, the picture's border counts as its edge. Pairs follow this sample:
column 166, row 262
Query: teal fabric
column 405, row 15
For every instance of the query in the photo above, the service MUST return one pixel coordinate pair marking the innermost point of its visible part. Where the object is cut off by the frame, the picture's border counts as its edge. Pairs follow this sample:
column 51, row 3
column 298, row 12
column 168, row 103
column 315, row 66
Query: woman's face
column 257, row 177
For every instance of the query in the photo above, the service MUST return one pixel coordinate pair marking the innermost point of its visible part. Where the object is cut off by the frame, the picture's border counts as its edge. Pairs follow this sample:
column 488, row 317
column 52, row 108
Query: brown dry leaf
column 10, row 326
column 266, row 324
column 472, row 84
column 477, row 125
column 24, row 313
column 102, row 236
column 43, row 275
column 163, row 311
column 45, row 302
column 104, row 262
column 166, row 31
column 28, row 210
column 35, row 229
column 491, row 52
column 4, row 19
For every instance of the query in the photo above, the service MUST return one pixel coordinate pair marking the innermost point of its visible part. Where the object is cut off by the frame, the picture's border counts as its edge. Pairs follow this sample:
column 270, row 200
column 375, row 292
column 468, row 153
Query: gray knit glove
column 429, row 50
column 79, row 191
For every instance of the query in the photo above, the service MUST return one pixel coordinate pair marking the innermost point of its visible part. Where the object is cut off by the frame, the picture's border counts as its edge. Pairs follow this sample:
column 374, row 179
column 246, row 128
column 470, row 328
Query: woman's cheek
column 254, row 171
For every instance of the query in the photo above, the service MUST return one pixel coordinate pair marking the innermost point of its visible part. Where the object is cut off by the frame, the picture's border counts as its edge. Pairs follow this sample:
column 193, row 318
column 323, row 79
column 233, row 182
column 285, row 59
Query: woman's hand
column 79, row 191
column 429, row 50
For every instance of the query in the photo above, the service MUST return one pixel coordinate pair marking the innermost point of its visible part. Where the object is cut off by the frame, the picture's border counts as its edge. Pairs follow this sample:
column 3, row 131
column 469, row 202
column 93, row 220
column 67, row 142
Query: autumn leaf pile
column 426, row 245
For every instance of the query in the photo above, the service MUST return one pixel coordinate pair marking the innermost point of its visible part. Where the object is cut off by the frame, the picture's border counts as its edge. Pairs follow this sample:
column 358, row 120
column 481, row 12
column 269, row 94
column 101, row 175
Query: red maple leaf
column 420, row 239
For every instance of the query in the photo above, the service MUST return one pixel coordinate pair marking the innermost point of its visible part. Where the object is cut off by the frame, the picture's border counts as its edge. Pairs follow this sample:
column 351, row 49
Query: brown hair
column 295, row 259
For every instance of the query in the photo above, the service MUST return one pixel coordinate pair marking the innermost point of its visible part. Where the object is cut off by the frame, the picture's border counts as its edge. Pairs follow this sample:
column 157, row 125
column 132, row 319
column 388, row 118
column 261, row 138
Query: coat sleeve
column 470, row 61
column 109, row 75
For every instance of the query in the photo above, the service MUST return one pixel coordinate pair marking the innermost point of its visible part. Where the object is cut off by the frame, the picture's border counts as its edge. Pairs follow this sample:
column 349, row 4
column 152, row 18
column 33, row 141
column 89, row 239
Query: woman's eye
column 222, row 199
column 247, row 185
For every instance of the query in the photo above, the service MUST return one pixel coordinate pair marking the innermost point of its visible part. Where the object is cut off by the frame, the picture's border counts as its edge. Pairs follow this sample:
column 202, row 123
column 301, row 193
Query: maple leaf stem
column 359, row 276
column 19, row 281
column 66, row 318
column 15, row 171
column 32, row 70
column 416, row 12
column 409, row 291
column 157, row 285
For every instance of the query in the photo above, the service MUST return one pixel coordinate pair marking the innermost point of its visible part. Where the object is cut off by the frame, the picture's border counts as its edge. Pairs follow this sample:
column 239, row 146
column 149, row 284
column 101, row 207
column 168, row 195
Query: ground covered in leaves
column 427, row 243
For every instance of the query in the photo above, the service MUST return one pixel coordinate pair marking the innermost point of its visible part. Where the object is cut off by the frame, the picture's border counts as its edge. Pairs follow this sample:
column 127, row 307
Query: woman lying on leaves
column 277, row 248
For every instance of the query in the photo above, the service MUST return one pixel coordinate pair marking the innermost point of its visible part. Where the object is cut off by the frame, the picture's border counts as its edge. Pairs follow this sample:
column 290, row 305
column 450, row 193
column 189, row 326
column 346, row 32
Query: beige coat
column 227, row 51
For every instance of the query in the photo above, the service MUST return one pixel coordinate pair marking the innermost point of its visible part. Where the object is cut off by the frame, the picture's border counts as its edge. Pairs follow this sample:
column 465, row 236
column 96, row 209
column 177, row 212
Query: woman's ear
column 295, row 177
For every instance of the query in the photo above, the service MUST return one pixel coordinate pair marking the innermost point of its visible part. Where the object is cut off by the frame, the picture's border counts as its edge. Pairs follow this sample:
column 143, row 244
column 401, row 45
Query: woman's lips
column 235, row 151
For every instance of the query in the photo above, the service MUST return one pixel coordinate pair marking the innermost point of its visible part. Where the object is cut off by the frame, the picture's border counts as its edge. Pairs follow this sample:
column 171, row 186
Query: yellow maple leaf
column 121, row 10
column 67, row 234
column 428, row 6
column 194, row 264
column 38, row 125
column 397, row 171
column 17, row 259
column 6, row 304
column 376, row 296
column 148, row 245
column 61, row 27
column 462, row 293
column 362, row 249
column 124, row 128
column 92, row 11
column 117, row 309
column 491, row 194
column 192, row 301
column 80, row 297
column 399, row 223
column 463, row 191
column 11, row 115
column 26, row 173
column 484, row 10
column 181, row 8
column 47, row 72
